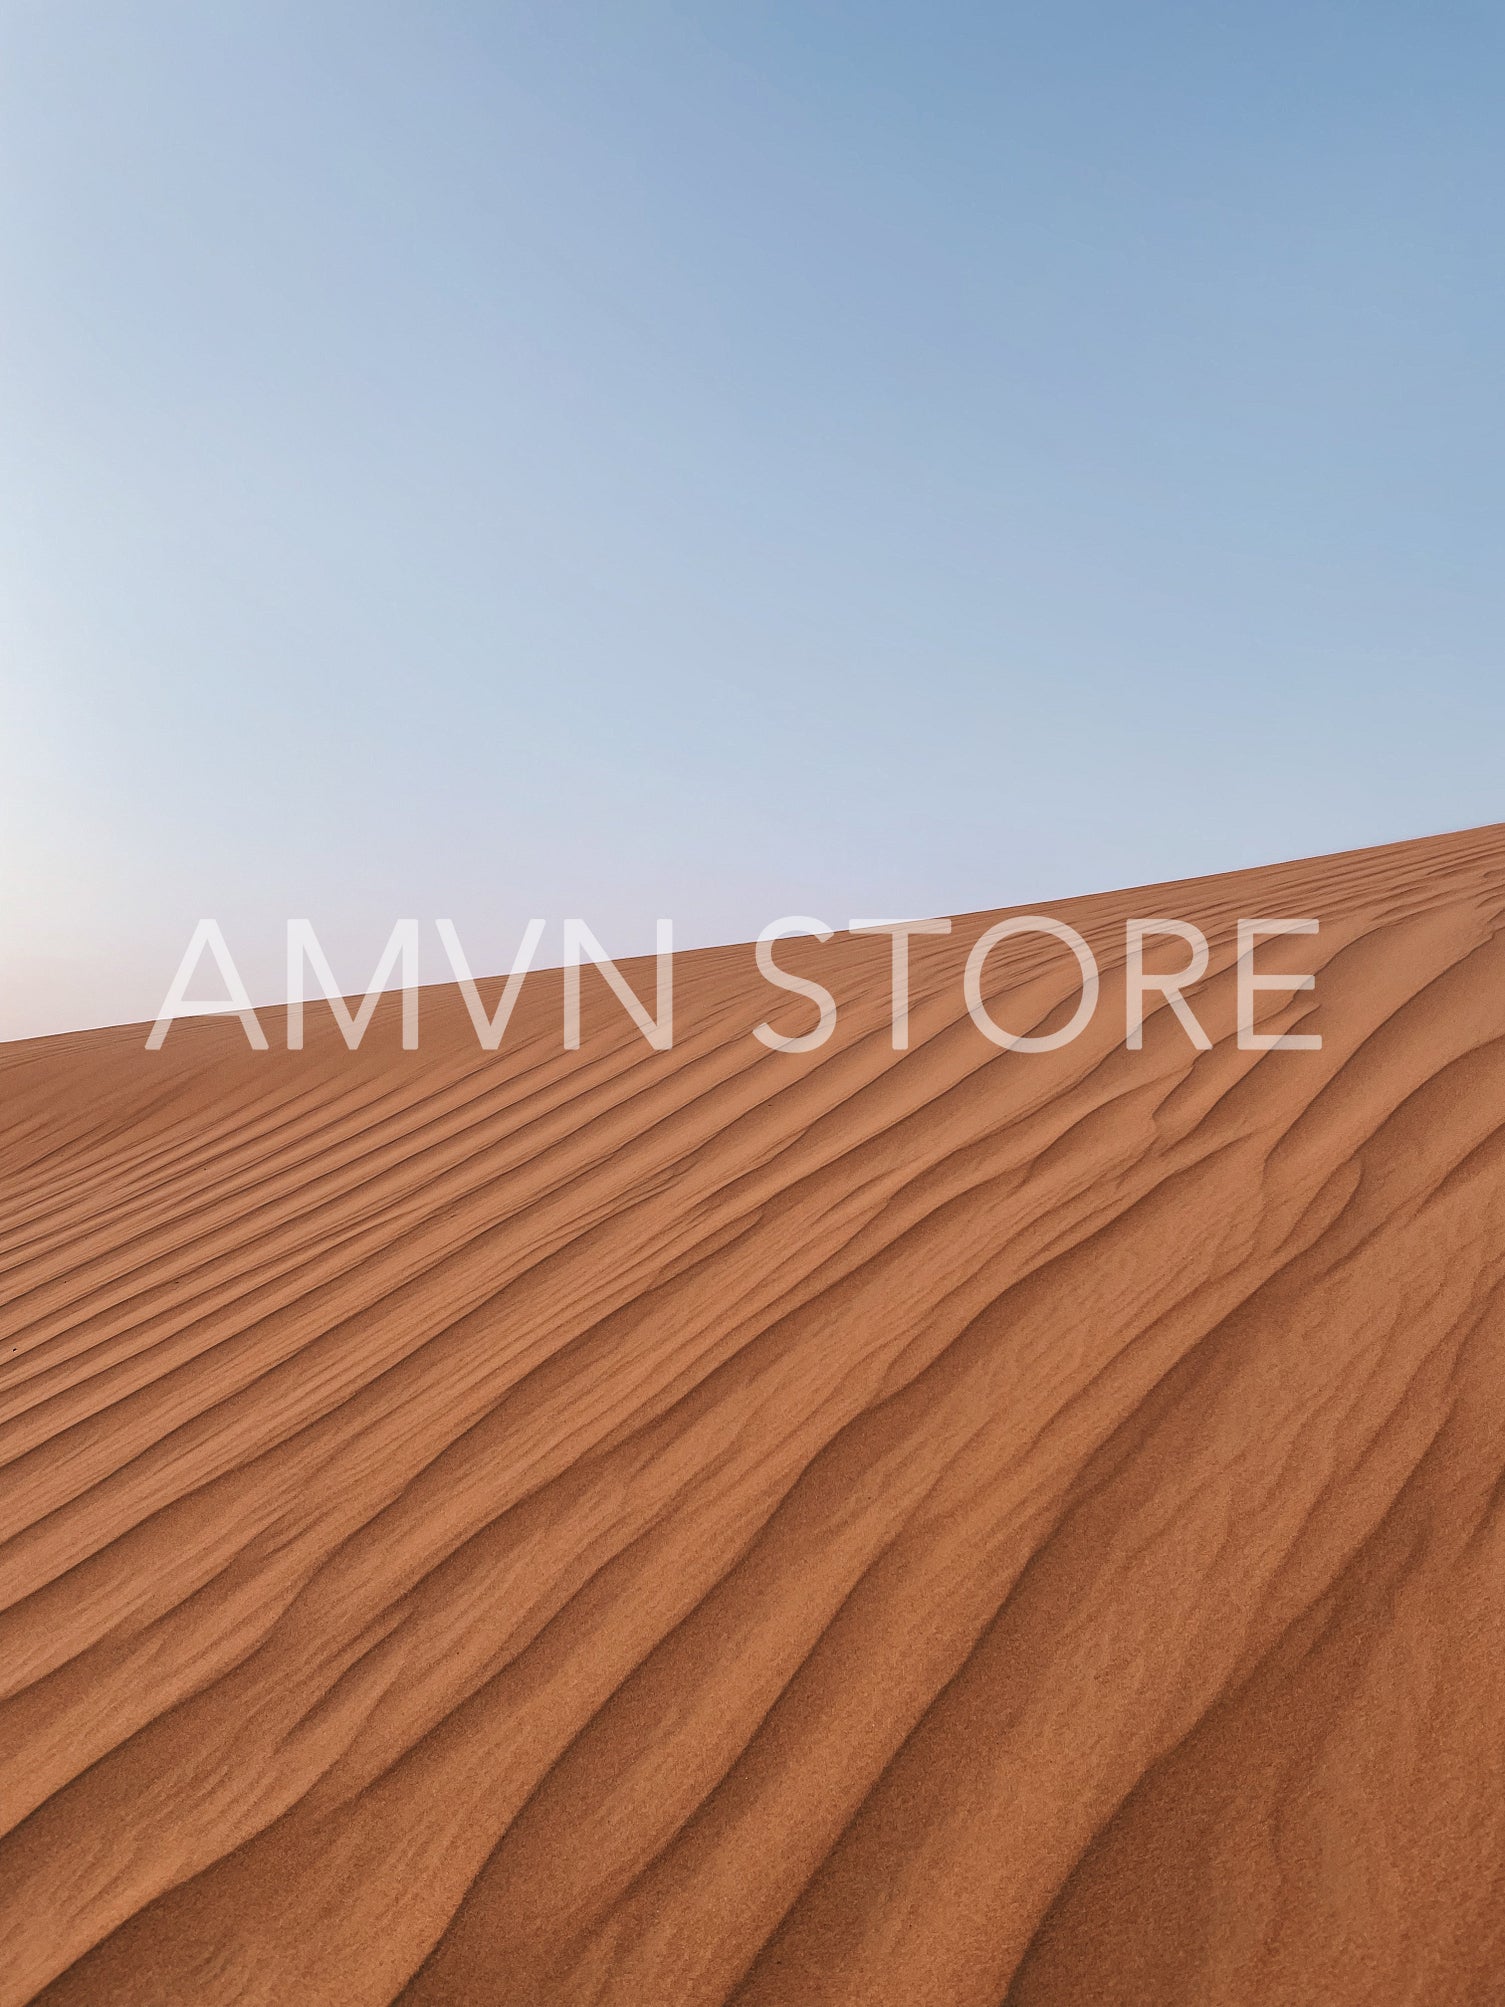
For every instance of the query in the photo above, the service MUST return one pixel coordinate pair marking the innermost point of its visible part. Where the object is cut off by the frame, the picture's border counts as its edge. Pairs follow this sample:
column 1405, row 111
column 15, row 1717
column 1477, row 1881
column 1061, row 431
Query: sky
column 724, row 461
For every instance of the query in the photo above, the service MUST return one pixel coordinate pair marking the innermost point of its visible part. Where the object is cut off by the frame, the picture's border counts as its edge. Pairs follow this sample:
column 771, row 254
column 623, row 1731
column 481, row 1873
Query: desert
column 917, row 1527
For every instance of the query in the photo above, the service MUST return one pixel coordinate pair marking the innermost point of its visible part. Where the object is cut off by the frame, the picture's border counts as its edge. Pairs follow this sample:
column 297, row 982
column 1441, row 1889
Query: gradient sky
column 728, row 460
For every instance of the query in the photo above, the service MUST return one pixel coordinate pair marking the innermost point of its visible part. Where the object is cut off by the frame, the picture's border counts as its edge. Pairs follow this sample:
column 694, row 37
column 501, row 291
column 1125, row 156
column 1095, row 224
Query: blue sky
column 728, row 460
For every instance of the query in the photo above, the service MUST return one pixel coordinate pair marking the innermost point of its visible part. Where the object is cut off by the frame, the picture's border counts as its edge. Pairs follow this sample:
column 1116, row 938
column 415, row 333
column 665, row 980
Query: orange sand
column 722, row 1525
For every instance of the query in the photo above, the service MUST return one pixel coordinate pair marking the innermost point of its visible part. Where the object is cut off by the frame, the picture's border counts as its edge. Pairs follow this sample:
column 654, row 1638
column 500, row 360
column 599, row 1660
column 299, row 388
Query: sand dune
column 723, row 1525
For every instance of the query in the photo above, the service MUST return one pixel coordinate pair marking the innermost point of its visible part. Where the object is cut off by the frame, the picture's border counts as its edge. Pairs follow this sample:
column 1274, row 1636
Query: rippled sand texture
column 721, row 1525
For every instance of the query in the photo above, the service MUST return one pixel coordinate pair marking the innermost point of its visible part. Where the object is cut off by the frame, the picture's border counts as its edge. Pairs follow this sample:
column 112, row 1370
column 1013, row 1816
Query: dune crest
column 629, row 1527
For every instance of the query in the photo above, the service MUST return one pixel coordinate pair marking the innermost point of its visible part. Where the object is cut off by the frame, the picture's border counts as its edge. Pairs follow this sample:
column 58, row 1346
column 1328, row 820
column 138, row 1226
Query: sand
column 720, row 1525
